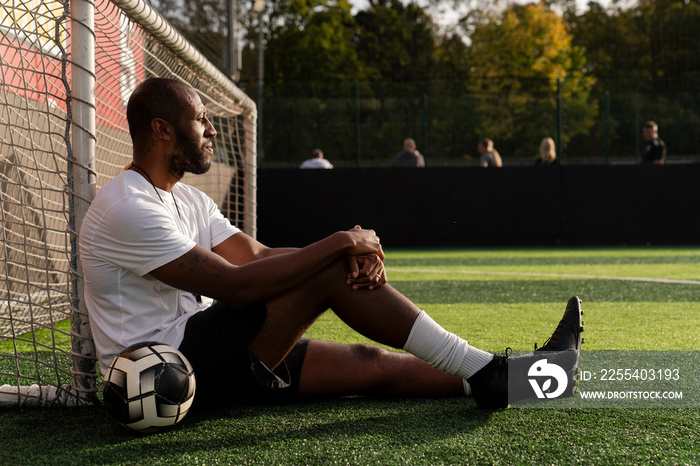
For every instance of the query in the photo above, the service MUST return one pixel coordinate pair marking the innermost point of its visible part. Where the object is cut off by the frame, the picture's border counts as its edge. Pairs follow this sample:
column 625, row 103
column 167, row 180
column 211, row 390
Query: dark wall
column 471, row 206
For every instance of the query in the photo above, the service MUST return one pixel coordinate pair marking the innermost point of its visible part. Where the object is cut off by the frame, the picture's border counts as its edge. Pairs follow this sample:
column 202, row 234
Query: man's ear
column 162, row 129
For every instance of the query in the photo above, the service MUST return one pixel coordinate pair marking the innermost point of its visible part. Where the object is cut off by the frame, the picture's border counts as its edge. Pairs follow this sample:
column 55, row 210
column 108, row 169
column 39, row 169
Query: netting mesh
column 38, row 253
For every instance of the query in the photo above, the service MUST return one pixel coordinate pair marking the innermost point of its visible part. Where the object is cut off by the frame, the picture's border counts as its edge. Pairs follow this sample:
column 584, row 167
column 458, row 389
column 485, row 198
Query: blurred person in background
column 409, row 156
column 653, row 148
column 488, row 155
column 548, row 153
column 316, row 161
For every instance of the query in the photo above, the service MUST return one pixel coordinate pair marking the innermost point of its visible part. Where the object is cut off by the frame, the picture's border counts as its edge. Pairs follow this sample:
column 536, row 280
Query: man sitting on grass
column 156, row 254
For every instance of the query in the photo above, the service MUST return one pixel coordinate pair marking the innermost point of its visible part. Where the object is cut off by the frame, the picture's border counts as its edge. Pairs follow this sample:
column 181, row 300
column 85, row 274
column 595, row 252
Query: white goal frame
column 67, row 68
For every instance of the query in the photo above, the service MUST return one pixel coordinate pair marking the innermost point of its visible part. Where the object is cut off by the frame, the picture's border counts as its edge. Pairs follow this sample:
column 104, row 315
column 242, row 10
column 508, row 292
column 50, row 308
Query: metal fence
column 367, row 128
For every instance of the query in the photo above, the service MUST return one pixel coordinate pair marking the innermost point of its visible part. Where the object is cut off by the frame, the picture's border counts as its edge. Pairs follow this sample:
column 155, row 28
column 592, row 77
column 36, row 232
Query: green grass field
column 633, row 298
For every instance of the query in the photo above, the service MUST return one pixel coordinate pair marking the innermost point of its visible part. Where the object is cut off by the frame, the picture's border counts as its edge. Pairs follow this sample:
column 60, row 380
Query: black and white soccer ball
column 149, row 386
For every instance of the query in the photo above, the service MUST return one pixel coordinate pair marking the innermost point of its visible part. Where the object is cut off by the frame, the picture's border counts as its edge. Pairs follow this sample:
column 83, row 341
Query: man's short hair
column 317, row 154
column 650, row 124
column 153, row 98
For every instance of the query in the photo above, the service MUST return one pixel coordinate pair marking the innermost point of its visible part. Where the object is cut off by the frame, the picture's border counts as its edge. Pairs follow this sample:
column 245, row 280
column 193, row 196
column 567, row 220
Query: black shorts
column 216, row 344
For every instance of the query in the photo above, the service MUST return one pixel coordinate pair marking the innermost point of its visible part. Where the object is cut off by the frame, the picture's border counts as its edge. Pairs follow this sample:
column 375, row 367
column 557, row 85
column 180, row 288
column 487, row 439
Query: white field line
column 557, row 275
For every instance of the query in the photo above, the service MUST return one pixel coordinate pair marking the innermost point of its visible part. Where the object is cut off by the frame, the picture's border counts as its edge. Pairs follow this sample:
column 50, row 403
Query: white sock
column 444, row 350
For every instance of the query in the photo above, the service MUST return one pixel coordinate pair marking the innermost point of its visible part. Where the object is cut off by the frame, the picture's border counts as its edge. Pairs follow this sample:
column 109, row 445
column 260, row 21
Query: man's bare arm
column 207, row 273
column 241, row 249
column 366, row 271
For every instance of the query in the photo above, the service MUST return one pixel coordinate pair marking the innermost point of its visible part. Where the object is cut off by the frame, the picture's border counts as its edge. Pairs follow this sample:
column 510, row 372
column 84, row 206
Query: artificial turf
column 493, row 297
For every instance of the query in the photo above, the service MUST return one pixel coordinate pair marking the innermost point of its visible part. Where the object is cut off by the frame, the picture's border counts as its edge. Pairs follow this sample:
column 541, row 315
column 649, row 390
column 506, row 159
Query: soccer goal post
column 67, row 69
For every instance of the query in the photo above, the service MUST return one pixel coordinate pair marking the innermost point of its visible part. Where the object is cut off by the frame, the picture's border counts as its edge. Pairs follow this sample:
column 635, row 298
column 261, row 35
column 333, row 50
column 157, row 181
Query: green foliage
column 646, row 57
column 508, row 79
column 397, row 44
column 518, row 57
column 649, row 47
column 309, row 40
column 492, row 73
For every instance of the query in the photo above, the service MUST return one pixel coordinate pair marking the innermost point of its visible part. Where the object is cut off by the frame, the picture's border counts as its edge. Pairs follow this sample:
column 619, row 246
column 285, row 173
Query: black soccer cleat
column 505, row 380
column 567, row 335
column 490, row 386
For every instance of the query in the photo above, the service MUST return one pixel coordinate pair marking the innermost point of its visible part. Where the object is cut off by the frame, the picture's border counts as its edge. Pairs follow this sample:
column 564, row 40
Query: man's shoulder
column 126, row 196
column 113, row 189
column 123, row 180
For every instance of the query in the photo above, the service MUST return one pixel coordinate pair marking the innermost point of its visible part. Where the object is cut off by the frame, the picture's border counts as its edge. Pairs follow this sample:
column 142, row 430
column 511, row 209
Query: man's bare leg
column 383, row 315
column 387, row 317
column 338, row 369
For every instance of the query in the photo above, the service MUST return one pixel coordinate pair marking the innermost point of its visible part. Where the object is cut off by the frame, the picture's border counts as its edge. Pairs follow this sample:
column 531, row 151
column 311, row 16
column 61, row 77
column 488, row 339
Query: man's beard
column 191, row 158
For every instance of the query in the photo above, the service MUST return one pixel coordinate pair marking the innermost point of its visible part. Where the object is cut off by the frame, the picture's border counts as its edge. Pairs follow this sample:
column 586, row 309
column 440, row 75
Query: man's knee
column 338, row 267
column 365, row 353
column 376, row 365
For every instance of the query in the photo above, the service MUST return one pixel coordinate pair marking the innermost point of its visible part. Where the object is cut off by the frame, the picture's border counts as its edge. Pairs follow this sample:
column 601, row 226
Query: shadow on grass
column 358, row 431
column 89, row 435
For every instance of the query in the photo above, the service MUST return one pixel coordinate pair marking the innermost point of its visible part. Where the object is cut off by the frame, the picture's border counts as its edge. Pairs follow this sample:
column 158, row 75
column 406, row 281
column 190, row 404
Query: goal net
column 67, row 69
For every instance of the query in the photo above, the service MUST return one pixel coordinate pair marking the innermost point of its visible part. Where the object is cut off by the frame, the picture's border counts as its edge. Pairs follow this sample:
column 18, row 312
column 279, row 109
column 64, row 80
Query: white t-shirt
column 316, row 163
column 127, row 232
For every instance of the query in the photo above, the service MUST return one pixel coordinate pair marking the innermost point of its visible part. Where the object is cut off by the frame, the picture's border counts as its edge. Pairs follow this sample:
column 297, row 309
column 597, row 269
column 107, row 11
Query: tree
column 309, row 47
column 615, row 45
column 646, row 56
column 670, row 29
column 518, row 58
column 397, row 44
